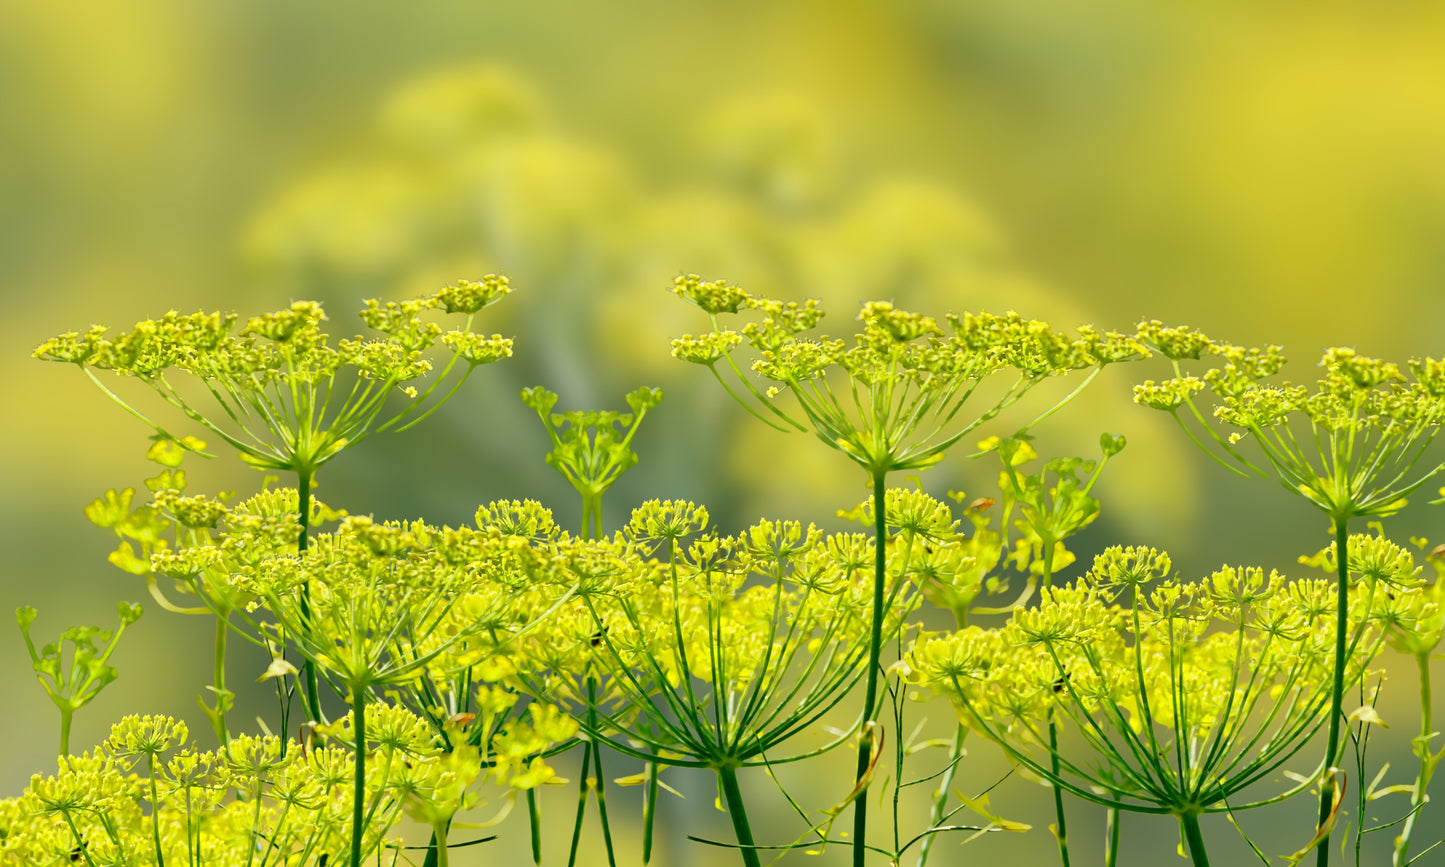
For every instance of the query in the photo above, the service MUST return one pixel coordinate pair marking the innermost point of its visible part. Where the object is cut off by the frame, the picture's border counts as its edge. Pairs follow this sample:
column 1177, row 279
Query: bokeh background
column 1268, row 172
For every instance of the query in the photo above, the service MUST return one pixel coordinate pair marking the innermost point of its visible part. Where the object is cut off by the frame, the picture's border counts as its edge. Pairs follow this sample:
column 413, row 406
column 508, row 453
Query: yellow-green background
column 1266, row 171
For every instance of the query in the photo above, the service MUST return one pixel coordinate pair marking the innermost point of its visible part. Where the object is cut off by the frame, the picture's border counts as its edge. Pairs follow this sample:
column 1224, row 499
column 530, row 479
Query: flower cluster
column 713, row 650
column 909, row 374
column 288, row 397
column 254, row 801
column 1352, row 444
column 1183, row 698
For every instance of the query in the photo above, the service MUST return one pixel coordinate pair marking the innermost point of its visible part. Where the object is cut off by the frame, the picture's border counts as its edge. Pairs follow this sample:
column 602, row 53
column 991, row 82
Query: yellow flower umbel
column 284, row 396
column 413, row 609
column 713, row 652
column 253, row 803
column 891, row 399
column 1178, row 716
column 1354, row 445
column 289, row 399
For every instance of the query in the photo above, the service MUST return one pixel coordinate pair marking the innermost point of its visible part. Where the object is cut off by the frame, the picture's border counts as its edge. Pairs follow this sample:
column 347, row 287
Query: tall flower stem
column 534, row 815
column 649, row 810
column 439, row 848
column 155, row 810
column 733, row 797
column 358, row 801
column 1194, row 839
column 940, row 797
column 223, row 626
column 601, row 788
column 436, row 848
column 1062, row 833
column 875, row 649
column 1337, row 691
column 598, row 784
column 1427, row 763
column 938, row 809
column 303, row 517
column 65, row 717
column 1111, row 838
column 581, row 805
column 592, row 755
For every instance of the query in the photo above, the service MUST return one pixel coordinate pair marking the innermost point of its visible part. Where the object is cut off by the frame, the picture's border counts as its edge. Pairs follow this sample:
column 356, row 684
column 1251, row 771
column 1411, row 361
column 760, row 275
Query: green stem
column 1427, row 763
column 436, row 847
column 940, row 797
column 649, row 810
column 733, row 796
column 601, row 788
column 65, row 715
column 534, row 813
column 79, row 840
column 1111, row 837
column 1337, row 692
column 875, row 649
column 591, row 516
column 303, row 508
column 303, row 517
column 1062, row 832
column 439, row 845
column 155, row 810
column 1360, row 740
column 219, row 675
column 1194, row 839
column 358, row 802
column 581, row 805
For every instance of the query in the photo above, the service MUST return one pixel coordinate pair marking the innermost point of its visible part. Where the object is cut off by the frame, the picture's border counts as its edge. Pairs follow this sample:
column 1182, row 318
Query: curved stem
column 1337, row 693
column 875, row 648
column 733, row 797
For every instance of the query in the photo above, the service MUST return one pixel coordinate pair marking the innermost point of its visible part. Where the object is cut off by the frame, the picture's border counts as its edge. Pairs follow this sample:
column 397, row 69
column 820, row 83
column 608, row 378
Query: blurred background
column 1269, row 173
